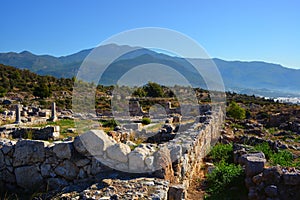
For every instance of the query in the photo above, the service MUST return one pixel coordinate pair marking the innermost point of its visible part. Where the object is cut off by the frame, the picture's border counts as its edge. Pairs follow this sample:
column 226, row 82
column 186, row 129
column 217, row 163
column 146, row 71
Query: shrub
column 146, row 121
column 235, row 111
column 222, row 178
column 110, row 123
column 222, row 152
column 282, row 158
column 265, row 148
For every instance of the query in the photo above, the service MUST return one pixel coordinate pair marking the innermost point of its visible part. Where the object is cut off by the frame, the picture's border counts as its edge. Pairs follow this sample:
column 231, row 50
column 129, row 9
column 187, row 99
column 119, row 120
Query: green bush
column 110, row 123
column 222, row 152
column 282, row 158
column 146, row 121
column 265, row 148
column 235, row 111
column 222, row 178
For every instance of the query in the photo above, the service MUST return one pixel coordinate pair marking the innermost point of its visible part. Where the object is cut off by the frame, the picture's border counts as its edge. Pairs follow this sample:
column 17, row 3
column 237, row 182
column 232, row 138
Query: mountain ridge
column 237, row 75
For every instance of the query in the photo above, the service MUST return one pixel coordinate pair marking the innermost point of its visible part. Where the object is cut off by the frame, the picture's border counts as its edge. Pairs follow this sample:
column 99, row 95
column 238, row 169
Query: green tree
column 140, row 92
column 153, row 90
column 235, row 111
column 3, row 91
column 42, row 91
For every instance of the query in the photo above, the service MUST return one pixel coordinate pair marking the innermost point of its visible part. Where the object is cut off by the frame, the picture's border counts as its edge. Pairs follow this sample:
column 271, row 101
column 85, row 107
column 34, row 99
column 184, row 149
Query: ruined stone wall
column 267, row 182
column 35, row 133
column 135, row 108
column 192, row 146
column 28, row 165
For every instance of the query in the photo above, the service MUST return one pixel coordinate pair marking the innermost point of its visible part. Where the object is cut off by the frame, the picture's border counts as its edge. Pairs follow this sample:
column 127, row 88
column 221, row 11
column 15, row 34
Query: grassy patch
column 222, row 152
column 110, row 123
column 272, row 130
column 265, row 148
column 238, row 126
column 282, row 158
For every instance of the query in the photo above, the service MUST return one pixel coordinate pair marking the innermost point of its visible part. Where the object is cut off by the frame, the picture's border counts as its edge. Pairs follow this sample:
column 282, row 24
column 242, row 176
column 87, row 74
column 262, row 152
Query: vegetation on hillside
column 226, row 176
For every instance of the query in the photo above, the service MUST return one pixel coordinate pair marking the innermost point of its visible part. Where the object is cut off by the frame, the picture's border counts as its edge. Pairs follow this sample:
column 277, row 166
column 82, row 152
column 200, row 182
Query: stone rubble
column 267, row 182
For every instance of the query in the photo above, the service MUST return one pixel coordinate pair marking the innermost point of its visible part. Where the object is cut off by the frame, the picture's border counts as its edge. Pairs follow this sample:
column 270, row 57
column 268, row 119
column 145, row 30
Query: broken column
column 53, row 112
column 18, row 114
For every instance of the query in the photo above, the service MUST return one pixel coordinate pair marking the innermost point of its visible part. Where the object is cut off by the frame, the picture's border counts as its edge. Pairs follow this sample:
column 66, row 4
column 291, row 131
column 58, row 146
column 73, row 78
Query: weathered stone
column 136, row 160
column 28, row 177
column 52, row 160
column 56, row 183
column 272, row 175
column 94, row 142
column 63, row 150
column 8, row 176
column 82, row 162
column 118, row 152
column 96, row 167
column 67, row 170
column 243, row 158
column 8, row 147
column 291, row 178
column 163, row 164
column 8, row 161
column 248, row 182
column 257, row 179
column 45, row 170
column 133, row 126
column 82, row 174
column 185, row 167
column 2, row 161
column 271, row 191
column 28, row 152
column 176, row 192
column 254, row 165
column 252, row 195
column 87, row 169
column 79, row 146
column 175, row 152
column 122, row 167
column 149, row 162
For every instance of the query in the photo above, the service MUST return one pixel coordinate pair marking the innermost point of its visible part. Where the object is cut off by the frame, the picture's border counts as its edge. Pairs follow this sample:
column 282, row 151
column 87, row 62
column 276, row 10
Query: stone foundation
column 30, row 166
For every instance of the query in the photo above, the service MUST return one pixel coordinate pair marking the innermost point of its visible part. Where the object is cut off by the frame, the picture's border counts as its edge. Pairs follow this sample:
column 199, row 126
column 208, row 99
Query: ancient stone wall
column 35, row 133
column 267, row 182
column 28, row 165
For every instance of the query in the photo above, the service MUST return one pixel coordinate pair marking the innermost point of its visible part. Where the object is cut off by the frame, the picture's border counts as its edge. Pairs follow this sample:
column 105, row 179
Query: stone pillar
column 169, row 105
column 18, row 114
column 53, row 112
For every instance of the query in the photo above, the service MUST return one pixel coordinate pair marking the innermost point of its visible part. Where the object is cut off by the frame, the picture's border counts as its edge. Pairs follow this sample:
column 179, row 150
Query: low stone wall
column 274, row 183
column 265, row 182
column 28, row 165
column 192, row 146
column 35, row 133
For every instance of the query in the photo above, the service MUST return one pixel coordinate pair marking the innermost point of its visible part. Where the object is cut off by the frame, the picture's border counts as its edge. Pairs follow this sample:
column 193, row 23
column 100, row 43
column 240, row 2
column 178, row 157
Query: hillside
column 28, row 87
column 258, row 78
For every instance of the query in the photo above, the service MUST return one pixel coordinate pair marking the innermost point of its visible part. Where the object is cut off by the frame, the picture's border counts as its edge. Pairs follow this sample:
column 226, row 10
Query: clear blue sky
column 233, row 29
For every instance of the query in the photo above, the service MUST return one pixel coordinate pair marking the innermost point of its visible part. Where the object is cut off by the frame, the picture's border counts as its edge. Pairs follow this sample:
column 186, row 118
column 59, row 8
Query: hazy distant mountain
column 258, row 75
column 246, row 77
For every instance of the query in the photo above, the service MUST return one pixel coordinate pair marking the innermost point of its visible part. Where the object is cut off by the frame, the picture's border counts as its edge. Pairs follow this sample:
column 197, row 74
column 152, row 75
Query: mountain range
column 259, row 78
